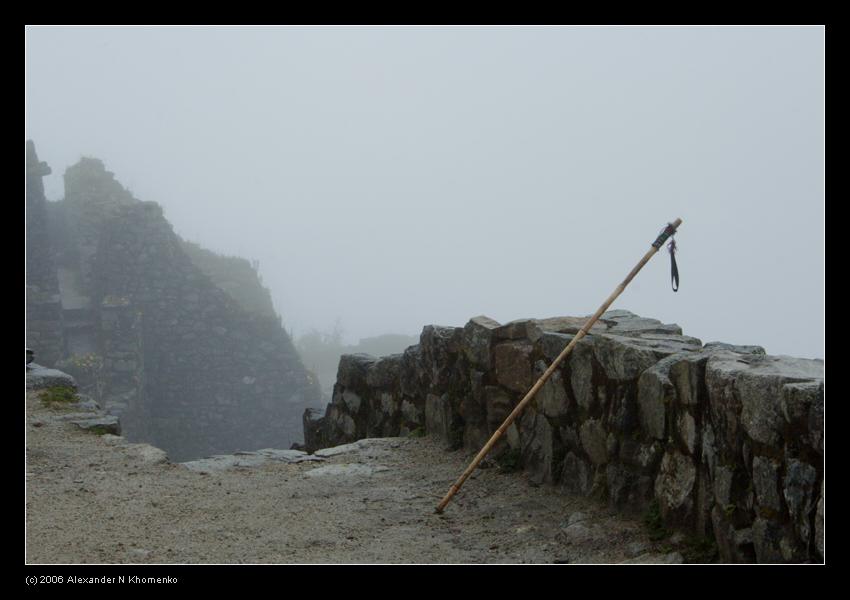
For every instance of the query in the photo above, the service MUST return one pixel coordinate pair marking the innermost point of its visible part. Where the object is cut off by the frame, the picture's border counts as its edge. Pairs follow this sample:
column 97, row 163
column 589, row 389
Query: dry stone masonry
column 114, row 300
column 721, row 441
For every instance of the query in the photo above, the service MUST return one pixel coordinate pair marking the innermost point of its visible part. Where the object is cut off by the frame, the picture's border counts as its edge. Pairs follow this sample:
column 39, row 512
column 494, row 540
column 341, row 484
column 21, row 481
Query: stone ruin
column 114, row 300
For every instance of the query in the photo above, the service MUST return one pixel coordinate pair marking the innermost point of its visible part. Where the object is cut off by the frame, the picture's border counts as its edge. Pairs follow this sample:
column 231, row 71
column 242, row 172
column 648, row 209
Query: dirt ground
column 96, row 499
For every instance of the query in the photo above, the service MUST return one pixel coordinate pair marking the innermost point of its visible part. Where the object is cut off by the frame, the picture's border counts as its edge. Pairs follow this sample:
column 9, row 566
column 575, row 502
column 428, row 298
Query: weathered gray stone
column 655, row 395
column 346, row 424
column 313, row 425
column 552, row 398
column 767, row 540
column 723, row 481
column 147, row 453
column 733, row 546
column 512, row 361
column 577, row 474
column 552, row 344
column 569, row 325
column 290, row 456
column 352, row 401
column 537, row 446
column 577, row 533
column 364, row 444
column 709, row 449
column 800, row 495
column 477, row 338
column 581, row 378
column 623, row 358
column 594, row 441
column 384, row 372
column 675, row 484
column 353, row 369
column 766, row 483
column 38, row 377
column 105, row 424
column 758, row 382
column 802, row 409
column 412, row 413
column 642, row 455
column 521, row 329
column 623, row 322
column 687, row 431
column 712, row 346
column 439, row 419
column 626, row 487
column 498, row 405
column 389, row 404
column 224, row 462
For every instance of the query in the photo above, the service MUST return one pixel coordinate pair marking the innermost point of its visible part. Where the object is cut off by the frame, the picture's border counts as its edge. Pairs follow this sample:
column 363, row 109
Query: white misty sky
column 394, row 177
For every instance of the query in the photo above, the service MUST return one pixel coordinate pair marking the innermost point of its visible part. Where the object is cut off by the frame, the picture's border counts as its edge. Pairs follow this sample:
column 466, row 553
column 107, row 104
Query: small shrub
column 417, row 433
column 58, row 395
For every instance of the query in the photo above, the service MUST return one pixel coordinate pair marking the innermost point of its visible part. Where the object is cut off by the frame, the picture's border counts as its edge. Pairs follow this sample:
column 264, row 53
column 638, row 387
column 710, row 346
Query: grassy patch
column 58, row 395
column 417, row 433
column 98, row 430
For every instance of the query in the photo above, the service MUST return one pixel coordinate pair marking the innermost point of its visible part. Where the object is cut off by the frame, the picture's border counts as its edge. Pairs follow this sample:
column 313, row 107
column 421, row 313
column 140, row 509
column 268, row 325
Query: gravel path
column 96, row 499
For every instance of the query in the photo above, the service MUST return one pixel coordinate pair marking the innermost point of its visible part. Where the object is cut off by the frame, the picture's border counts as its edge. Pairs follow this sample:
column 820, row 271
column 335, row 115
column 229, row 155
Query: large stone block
column 576, row 475
column 594, row 441
column 353, row 370
column 800, row 496
column 512, row 361
column 674, row 487
column 477, row 339
column 522, row 329
column 498, row 405
column 754, row 383
column 541, row 452
column 552, row 399
column 766, row 483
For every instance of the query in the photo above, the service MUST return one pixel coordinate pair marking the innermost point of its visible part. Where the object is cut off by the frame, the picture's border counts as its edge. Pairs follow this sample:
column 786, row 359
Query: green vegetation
column 58, row 395
column 417, row 433
column 98, row 430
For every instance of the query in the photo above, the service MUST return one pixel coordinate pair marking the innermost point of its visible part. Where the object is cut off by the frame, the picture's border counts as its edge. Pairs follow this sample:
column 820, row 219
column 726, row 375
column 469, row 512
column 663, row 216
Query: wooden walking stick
column 668, row 231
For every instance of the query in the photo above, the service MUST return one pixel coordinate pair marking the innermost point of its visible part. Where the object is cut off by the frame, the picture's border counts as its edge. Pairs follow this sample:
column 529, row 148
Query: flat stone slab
column 107, row 424
column 256, row 458
column 147, row 453
column 290, row 456
column 38, row 377
column 223, row 462
column 346, row 470
column 359, row 445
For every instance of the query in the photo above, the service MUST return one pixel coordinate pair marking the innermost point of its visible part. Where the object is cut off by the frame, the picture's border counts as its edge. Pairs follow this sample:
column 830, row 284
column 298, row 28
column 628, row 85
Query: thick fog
column 393, row 177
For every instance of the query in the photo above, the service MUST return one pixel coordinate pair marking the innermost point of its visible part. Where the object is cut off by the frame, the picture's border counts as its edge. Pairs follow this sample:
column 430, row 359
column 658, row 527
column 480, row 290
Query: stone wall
column 155, row 340
column 722, row 441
